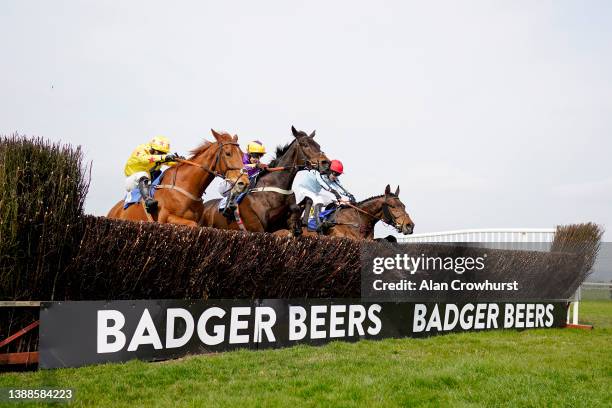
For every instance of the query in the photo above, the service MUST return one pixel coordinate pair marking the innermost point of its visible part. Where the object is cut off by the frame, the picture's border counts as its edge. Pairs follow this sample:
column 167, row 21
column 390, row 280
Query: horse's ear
column 295, row 132
column 313, row 133
column 388, row 190
column 215, row 134
column 235, row 139
column 397, row 191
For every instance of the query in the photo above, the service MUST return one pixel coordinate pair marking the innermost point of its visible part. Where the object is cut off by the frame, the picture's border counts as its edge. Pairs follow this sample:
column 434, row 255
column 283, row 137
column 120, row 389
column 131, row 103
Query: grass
column 555, row 367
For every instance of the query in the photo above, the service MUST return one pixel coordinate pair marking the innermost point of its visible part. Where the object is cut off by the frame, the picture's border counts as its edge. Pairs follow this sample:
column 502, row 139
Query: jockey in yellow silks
column 146, row 160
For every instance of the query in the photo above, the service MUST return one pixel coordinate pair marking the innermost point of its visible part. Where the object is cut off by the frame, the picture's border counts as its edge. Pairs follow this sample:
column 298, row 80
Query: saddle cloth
column 323, row 215
column 134, row 196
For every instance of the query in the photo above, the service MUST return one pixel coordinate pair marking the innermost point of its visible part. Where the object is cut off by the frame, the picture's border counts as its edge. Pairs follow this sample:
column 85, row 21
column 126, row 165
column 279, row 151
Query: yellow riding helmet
column 256, row 147
column 160, row 143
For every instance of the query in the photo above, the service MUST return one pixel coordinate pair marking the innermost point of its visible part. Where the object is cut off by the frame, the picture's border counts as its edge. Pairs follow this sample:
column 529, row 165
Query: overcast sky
column 487, row 114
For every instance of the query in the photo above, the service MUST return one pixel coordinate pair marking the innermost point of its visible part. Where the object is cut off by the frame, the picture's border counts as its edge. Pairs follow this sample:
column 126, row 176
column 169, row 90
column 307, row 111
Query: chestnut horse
column 357, row 221
column 271, row 205
column 182, row 186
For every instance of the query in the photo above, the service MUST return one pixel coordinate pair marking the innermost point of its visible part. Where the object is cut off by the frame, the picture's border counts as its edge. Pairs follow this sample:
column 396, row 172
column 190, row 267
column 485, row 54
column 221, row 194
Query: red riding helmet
column 336, row 165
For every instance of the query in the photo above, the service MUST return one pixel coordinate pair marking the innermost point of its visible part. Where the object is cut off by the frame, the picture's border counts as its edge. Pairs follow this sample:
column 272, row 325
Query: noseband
column 389, row 218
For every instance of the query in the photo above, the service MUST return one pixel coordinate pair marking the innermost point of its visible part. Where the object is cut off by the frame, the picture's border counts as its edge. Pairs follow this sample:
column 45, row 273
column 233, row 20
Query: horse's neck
column 191, row 178
column 282, row 179
column 373, row 207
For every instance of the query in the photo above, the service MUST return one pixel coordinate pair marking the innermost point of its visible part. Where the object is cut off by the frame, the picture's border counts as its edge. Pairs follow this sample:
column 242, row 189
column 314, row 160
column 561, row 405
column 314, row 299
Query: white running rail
column 485, row 235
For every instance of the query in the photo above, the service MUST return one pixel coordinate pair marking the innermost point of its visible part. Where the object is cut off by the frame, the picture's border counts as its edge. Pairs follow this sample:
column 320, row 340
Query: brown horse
column 182, row 186
column 357, row 221
column 271, row 205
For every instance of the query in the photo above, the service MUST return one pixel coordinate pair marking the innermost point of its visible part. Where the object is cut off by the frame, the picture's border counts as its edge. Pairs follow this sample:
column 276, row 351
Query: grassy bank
column 558, row 367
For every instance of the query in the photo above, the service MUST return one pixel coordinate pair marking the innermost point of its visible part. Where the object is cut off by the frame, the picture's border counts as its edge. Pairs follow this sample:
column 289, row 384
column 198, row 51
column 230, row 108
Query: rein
column 301, row 156
column 385, row 209
column 308, row 165
column 212, row 172
column 218, row 156
column 286, row 168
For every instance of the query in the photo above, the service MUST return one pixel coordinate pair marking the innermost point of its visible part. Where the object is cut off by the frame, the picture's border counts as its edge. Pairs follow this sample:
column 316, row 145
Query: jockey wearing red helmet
column 335, row 170
column 321, row 189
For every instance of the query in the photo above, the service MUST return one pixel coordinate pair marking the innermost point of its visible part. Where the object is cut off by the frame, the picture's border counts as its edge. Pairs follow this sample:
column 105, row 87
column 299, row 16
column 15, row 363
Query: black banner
column 74, row 334
column 459, row 272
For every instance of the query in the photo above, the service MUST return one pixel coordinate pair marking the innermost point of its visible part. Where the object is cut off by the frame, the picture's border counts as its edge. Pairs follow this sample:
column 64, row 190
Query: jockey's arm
column 318, row 177
column 143, row 156
column 347, row 196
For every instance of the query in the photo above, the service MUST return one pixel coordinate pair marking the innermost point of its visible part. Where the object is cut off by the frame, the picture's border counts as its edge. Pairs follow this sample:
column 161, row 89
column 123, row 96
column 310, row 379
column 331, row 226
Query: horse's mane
column 280, row 151
column 200, row 149
column 373, row 198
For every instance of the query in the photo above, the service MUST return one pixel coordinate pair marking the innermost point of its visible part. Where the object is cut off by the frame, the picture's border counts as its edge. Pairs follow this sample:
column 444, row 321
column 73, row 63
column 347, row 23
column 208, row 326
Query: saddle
column 329, row 215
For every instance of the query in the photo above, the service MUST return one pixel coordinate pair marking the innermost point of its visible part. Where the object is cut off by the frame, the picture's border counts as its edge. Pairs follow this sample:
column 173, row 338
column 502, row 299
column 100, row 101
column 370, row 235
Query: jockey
column 252, row 158
column 252, row 165
column 144, row 164
column 321, row 189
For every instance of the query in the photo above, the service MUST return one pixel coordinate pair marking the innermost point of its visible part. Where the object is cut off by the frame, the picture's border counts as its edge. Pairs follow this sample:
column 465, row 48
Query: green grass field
column 554, row 367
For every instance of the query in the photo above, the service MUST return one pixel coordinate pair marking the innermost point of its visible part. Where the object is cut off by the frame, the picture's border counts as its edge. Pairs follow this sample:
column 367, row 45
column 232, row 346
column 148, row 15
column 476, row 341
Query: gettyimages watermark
column 412, row 264
column 455, row 272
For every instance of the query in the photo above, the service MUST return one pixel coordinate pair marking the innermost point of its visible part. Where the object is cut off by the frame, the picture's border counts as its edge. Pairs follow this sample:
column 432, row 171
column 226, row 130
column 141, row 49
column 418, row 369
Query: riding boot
column 228, row 211
column 306, row 215
column 145, row 190
column 322, row 226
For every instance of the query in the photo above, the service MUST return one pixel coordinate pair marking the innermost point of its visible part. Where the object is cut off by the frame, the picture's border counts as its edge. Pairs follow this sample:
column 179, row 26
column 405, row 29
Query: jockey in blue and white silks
column 317, row 190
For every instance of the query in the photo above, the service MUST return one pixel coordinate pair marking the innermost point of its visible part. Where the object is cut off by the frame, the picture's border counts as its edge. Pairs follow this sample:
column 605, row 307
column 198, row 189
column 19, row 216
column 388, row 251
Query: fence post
column 576, row 305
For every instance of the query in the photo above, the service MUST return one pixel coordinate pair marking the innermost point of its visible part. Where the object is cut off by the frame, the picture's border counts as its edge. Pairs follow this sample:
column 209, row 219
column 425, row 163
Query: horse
column 182, row 186
column 271, row 205
column 357, row 220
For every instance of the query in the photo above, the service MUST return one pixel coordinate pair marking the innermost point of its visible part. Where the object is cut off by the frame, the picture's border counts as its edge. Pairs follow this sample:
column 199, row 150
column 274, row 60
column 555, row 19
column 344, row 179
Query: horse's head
column 228, row 160
column 394, row 212
column 309, row 151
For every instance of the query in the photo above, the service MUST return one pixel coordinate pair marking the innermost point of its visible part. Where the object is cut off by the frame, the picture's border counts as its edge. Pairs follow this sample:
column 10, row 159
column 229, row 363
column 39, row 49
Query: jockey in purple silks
column 252, row 165
column 251, row 159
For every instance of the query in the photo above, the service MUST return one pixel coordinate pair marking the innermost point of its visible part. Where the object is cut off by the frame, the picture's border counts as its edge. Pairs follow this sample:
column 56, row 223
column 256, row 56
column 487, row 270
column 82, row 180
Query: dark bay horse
column 271, row 205
column 181, row 188
column 357, row 221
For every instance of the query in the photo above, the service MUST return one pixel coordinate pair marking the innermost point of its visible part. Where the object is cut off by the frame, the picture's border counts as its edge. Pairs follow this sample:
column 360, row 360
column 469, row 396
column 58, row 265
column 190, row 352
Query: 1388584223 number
column 57, row 394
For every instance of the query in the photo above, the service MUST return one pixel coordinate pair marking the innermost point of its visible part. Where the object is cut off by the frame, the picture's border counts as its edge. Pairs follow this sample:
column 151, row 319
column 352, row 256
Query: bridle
column 301, row 156
column 212, row 171
column 387, row 218
column 390, row 219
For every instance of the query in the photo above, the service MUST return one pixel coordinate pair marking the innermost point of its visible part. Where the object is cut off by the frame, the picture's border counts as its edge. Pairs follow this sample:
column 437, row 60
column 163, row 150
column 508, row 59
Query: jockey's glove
column 173, row 157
